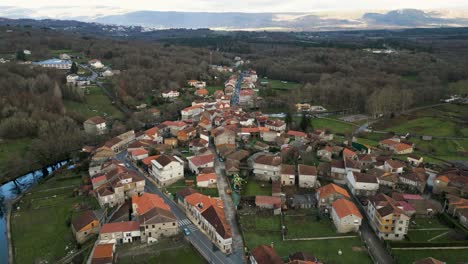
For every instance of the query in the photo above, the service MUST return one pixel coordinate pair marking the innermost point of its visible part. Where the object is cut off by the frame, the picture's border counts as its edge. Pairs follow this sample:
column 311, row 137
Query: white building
column 307, row 176
column 97, row 64
column 170, row 94
column 267, row 167
column 346, row 216
column 362, row 184
column 167, row 169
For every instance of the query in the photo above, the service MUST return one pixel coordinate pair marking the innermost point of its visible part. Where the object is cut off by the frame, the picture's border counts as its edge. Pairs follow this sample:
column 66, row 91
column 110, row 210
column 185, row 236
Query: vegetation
column 51, row 204
column 445, row 255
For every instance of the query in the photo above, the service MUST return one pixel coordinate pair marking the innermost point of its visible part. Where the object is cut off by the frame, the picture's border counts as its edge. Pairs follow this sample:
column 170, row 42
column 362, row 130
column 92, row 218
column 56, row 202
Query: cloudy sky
column 236, row 6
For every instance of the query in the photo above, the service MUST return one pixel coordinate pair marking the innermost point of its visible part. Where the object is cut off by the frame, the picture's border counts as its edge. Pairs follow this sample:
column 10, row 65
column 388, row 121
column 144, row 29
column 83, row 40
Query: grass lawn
column 447, row 255
column 334, row 126
column 425, row 126
column 253, row 188
column 367, row 141
column 162, row 252
column 96, row 103
column 308, row 226
column 179, row 185
column 212, row 89
column 447, row 149
column 15, row 148
column 426, row 223
column 281, row 85
column 40, row 232
column 260, row 222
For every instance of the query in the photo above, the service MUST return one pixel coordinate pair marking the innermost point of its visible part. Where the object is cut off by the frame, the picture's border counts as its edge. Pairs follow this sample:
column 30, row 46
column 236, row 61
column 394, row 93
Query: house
column 74, row 79
column 325, row 153
column 174, row 126
column 264, row 255
column 362, row 184
column 95, row 63
column 417, row 179
column 453, row 181
column 191, row 112
column 138, row 154
column 346, row 216
column 64, row 56
column 154, row 217
column 207, row 180
column 119, row 233
column 167, row 169
column 120, row 142
column 329, row 193
column 196, row 163
column 107, row 73
column 395, row 145
column 55, row 63
column 117, row 185
column 269, row 202
column 173, row 142
column 338, row 171
column 387, row 217
column 208, row 214
column 103, row 254
column 224, row 136
column 288, row 175
column 202, row 92
column 197, row 144
column 186, row 134
column 267, row 167
column 307, row 176
column 349, row 154
column 415, row 160
column 86, row 224
column 394, row 166
column 297, row 135
column 276, row 125
column 95, row 125
column 169, row 94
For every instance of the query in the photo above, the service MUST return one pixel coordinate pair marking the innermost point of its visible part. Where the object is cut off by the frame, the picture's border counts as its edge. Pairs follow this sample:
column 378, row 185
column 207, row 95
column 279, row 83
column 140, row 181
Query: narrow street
column 203, row 245
column 229, row 210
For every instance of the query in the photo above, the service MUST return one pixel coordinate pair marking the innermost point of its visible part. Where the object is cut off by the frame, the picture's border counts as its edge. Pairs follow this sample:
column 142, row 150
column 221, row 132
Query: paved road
column 197, row 238
column 229, row 210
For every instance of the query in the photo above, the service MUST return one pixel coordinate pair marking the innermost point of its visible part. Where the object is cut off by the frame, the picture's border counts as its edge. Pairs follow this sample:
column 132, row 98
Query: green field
column 281, row 85
column 253, row 188
column 452, row 256
column 335, row 126
column 165, row 251
column 40, row 232
column 265, row 229
column 304, row 226
column 96, row 103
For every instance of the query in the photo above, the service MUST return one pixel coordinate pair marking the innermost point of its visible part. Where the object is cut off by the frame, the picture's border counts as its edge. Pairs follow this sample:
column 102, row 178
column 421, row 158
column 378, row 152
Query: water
column 8, row 192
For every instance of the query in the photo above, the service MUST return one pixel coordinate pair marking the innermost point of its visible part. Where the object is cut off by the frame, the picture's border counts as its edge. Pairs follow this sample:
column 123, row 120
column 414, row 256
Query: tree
column 305, row 122
column 74, row 68
column 288, row 120
column 20, row 56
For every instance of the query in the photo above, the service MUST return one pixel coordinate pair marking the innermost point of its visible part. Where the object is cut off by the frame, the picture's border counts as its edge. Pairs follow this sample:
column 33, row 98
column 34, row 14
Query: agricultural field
column 335, row 126
column 96, row 103
column 306, row 225
column 262, row 229
column 52, row 204
column 253, row 188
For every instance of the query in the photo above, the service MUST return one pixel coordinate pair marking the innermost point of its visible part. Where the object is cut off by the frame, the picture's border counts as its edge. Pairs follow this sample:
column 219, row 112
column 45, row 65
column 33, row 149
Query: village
column 242, row 187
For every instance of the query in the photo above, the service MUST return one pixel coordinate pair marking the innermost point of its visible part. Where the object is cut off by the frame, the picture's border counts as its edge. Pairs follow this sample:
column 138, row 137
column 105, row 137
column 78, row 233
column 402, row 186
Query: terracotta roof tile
column 330, row 189
column 344, row 207
column 120, row 227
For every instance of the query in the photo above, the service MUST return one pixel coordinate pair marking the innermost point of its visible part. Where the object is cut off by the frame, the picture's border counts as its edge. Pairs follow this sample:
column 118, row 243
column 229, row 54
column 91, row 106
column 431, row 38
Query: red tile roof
column 206, row 177
column 120, row 227
column 148, row 201
column 307, row 170
column 345, row 207
column 147, row 161
column 296, row 133
column 202, row 160
column 268, row 200
column 138, row 152
column 330, row 189
column 265, row 255
column 103, row 251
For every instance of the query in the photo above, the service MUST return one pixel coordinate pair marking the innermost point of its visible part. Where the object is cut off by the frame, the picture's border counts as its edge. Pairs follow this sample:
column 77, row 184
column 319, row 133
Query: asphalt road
column 196, row 237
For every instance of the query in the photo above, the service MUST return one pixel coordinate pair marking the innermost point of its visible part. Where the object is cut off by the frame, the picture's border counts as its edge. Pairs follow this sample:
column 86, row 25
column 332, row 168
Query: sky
column 236, row 6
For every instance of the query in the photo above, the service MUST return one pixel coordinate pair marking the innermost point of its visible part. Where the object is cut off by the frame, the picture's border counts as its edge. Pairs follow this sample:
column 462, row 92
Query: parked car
column 186, row 231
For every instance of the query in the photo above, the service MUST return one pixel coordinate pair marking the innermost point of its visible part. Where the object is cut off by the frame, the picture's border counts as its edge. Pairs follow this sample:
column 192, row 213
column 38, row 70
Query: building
column 86, row 224
column 95, row 125
column 269, row 202
column 346, row 216
column 191, row 112
column 95, row 63
column 415, row 180
column 55, row 63
column 267, row 167
column 329, row 193
column 207, row 180
column 167, row 169
column 119, row 233
column 415, row 160
column 154, row 216
column 120, row 142
column 394, row 166
column 264, row 255
column 208, row 214
column 338, row 171
column 276, row 125
column 138, row 154
column 387, row 217
column 453, row 181
column 396, row 145
column 307, row 176
column 170, row 94
column 326, row 153
column 197, row 163
column 288, row 175
column 362, row 184
column 224, row 136
column 117, row 185
column 103, row 254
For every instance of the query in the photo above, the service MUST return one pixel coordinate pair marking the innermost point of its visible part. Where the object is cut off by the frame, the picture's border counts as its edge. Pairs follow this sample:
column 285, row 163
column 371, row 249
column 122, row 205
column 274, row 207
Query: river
column 9, row 192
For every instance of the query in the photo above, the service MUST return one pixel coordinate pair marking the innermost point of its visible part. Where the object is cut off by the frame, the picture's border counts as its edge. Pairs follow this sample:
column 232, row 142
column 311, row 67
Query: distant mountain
column 406, row 18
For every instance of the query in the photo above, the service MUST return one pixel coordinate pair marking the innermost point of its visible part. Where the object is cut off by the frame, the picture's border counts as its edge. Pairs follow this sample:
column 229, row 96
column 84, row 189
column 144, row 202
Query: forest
column 338, row 77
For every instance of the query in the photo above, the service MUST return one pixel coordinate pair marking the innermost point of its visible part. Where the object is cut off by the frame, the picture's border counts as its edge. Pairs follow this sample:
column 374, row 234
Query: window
column 153, row 226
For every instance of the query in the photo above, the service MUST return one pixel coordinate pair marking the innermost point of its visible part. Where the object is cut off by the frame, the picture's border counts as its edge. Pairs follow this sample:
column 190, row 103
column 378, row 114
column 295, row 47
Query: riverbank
column 52, row 203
